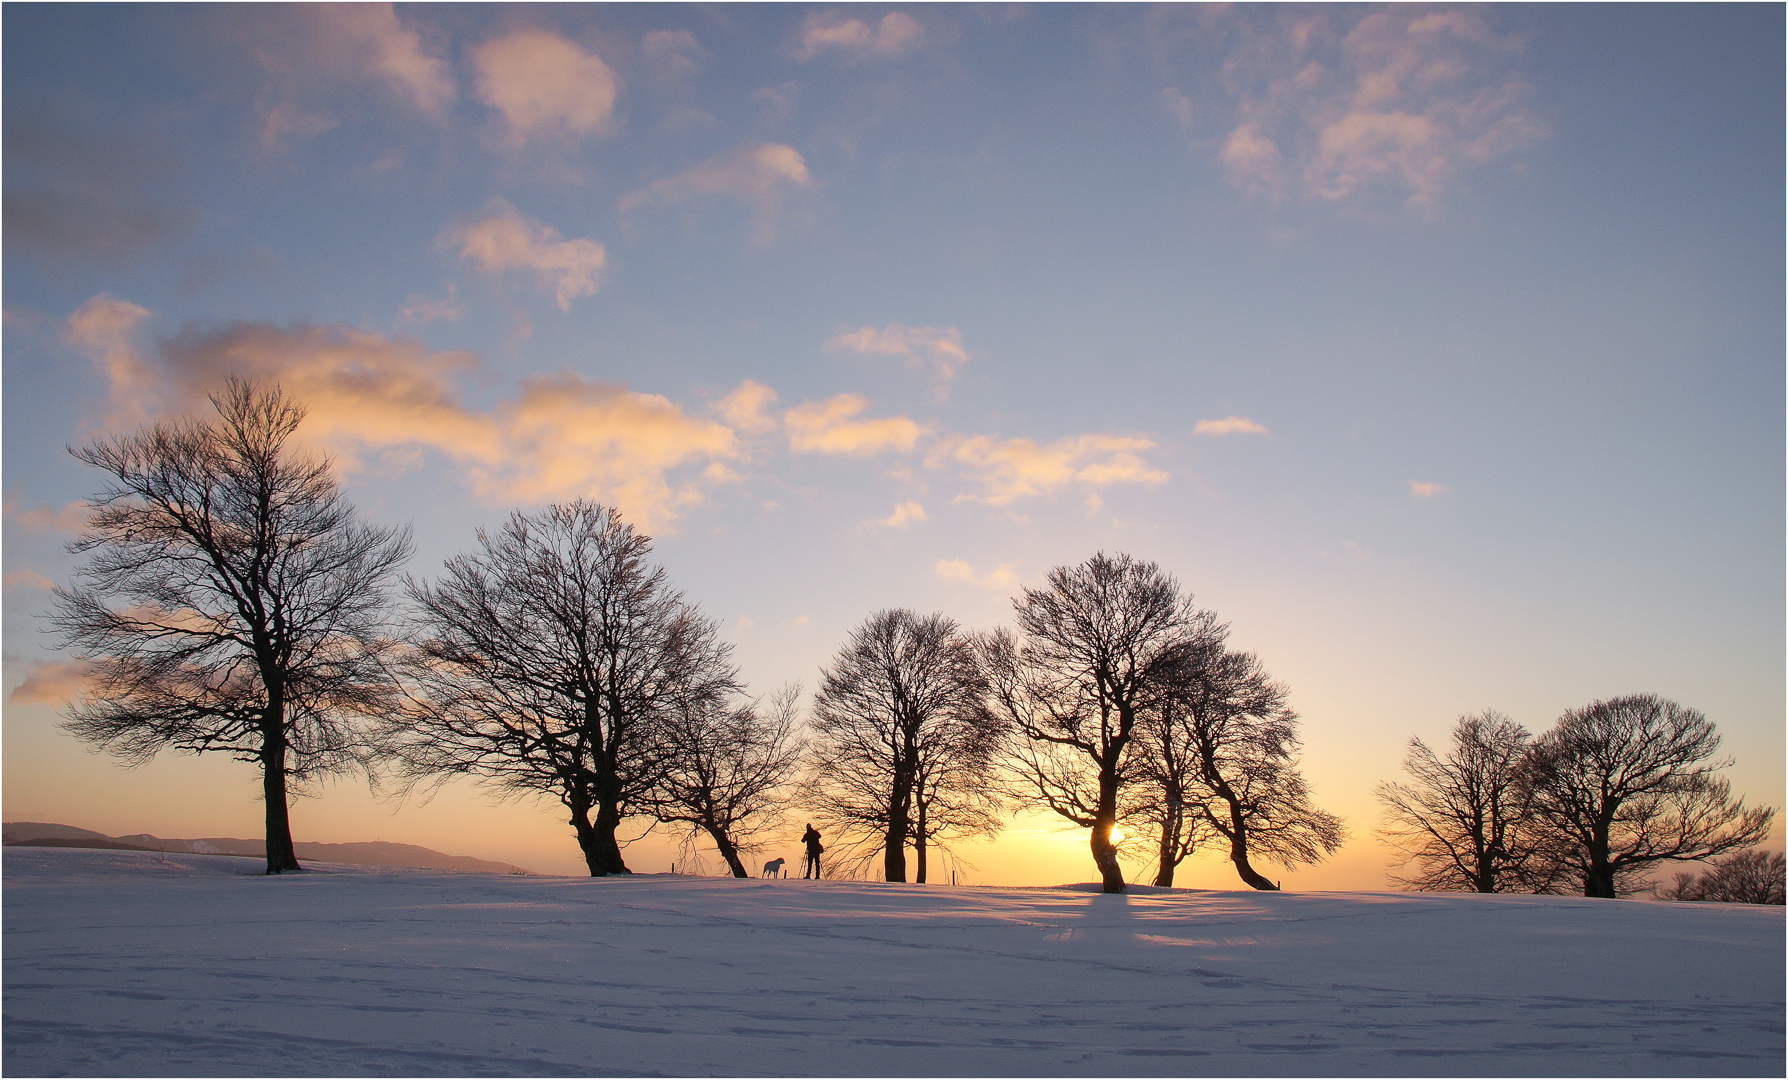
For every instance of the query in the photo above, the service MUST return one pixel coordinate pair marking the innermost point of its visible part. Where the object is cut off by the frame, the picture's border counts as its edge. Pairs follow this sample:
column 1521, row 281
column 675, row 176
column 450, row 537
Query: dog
column 773, row 868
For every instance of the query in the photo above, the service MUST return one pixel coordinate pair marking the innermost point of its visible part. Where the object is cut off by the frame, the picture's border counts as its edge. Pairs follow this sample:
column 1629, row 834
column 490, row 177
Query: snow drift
column 122, row 962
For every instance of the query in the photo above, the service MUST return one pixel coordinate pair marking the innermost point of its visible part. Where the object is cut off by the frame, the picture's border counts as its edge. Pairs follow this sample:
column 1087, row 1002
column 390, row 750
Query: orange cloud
column 104, row 328
column 895, row 34
column 544, row 85
column 756, row 175
column 1000, row 577
column 28, row 579
column 52, row 682
column 831, row 427
column 1426, row 490
column 502, row 239
column 904, row 514
column 938, row 348
column 72, row 518
column 563, row 436
column 747, row 408
column 1011, row 469
column 1230, row 425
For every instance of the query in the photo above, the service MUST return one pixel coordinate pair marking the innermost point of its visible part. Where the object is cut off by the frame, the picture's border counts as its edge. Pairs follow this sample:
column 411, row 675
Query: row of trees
column 1612, row 791
column 233, row 602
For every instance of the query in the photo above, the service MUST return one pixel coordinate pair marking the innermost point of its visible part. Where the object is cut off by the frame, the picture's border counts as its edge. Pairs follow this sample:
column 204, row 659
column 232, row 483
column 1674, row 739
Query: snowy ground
column 134, row 963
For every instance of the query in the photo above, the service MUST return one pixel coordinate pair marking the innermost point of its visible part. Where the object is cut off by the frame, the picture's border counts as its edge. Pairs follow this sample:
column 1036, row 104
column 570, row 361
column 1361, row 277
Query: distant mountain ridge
column 366, row 853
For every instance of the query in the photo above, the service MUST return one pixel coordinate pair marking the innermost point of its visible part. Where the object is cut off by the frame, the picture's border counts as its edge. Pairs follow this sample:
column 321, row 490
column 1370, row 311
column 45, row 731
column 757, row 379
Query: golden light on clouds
column 501, row 238
column 543, row 85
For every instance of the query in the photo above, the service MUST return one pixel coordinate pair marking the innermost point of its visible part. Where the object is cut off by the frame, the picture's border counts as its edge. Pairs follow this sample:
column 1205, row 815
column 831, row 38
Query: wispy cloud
column 51, row 682
column 1010, row 469
column 895, row 34
column 934, row 348
column 756, row 175
column 68, row 520
column 904, row 514
column 1230, row 425
column 672, row 54
column 1000, row 577
column 1334, row 107
column 832, row 427
column 422, row 309
column 1423, row 489
column 561, row 437
column 501, row 238
column 312, row 52
column 747, row 408
column 545, row 86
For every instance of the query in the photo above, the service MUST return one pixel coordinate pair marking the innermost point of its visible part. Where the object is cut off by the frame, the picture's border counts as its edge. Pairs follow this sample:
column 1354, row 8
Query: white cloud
column 904, row 514
column 831, row 427
column 1000, row 577
column 1230, row 425
column 1422, row 489
column 545, row 86
column 756, row 175
column 1010, row 469
column 1335, row 107
column 503, row 239
column 937, row 348
column 895, row 34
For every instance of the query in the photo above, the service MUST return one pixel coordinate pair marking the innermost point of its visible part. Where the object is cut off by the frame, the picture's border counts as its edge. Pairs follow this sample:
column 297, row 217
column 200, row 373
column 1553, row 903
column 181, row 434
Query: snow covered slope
column 139, row 963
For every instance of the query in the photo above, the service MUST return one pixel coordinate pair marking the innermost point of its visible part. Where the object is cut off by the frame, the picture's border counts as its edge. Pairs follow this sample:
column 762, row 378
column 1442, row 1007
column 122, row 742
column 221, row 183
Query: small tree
column 726, row 769
column 899, row 739
column 1744, row 877
column 1100, row 645
column 232, row 603
column 556, row 661
column 1466, row 821
column 1225, row 742
column 1626, row 783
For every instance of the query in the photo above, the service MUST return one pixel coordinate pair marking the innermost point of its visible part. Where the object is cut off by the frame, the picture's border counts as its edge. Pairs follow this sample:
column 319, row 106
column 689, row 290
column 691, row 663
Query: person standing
column 812, row 866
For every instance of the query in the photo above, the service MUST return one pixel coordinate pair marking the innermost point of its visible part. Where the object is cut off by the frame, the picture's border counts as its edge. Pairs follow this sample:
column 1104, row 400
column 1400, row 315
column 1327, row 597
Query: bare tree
column 1743, row 877
column 232, row 603
column 1466, row 821
column 1225, row 742
column 726, row 771
column 1626, row 783
column 1100, row 645
column 898, row 738
column 555, row 661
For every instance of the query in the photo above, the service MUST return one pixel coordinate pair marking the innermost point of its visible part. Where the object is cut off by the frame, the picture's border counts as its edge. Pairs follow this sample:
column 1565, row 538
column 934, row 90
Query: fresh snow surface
column 138, row 963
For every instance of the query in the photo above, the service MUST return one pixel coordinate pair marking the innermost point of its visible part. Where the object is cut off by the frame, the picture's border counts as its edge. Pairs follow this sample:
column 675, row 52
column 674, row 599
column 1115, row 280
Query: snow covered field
column 134, row 963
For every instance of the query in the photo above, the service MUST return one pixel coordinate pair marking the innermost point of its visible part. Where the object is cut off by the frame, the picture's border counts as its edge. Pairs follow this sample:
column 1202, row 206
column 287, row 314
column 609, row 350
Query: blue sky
column 1440, row 350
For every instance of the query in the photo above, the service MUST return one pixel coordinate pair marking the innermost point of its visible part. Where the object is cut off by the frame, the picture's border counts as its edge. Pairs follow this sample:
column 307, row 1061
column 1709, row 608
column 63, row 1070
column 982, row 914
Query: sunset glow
column 1439, row 351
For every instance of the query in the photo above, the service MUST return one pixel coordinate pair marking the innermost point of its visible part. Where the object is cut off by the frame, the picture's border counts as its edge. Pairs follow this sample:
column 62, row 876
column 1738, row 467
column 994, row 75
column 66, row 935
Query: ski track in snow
column 133, row 963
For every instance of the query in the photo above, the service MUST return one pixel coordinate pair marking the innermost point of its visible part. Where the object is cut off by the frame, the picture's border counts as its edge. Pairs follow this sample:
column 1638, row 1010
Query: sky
column 1439, row 350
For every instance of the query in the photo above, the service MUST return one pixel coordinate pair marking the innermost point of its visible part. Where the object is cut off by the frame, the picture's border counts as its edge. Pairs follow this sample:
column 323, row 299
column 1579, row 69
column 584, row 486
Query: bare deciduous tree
column 899, row 740
column 1100, row 645
column 726, row 769
column 554, row 661
column 1743, row 877
column 1229, row 741
column 1465, row 821
column 1627, row 783
column 233, row 602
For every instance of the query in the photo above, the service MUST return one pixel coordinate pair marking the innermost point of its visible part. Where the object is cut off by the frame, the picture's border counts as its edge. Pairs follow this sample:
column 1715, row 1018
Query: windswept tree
column 1097, row 647
column 726, row 771
column 1743, row 877
column 1627, row 783
column 900, row 742
column 232, row 602
column 1465, row 822
column 556, row 660
column 1222, row 752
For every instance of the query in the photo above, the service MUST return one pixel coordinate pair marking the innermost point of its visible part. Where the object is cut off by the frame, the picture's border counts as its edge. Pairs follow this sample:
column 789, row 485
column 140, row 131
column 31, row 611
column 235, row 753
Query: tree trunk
column 607, row 850
column 1111, row 875
column 894, row 844
column 728, row 850
column 1598, row 880
column 1173, row 818
column 1238, row 843
column 281, row 858
column 586, row 837
column 919, row 846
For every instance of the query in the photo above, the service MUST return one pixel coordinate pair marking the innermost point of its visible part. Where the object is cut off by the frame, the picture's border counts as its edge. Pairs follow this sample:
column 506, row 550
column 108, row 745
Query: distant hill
column 372, row 853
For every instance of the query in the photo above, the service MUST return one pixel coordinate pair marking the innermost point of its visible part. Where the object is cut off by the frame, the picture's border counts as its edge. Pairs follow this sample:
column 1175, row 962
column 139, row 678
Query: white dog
column 773, row 868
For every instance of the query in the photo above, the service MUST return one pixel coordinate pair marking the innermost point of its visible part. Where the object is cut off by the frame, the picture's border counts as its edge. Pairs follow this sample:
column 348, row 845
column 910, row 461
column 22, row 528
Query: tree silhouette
column 556, row 660
column 232, row 602
column 1098, row 646
column 725, row 771
column 1627, row 783
column 1465, row 822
